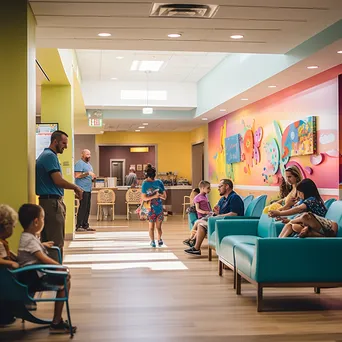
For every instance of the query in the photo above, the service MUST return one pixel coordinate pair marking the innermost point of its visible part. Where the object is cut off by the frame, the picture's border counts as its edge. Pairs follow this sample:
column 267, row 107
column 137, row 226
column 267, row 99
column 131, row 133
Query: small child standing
column 32, row 251
column 203, row 209
column 8, row 220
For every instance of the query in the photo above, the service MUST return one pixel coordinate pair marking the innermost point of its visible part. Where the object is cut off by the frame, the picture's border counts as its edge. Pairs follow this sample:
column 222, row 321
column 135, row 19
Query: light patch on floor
column 154, row 266
column 112, row 235
column 109, row 243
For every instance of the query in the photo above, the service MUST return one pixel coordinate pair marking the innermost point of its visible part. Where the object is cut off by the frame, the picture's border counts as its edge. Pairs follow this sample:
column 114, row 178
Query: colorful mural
column 267, row 147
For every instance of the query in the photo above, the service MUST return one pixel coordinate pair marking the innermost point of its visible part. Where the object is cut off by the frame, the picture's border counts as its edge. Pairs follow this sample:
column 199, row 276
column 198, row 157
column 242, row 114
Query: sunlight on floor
column 154, row 266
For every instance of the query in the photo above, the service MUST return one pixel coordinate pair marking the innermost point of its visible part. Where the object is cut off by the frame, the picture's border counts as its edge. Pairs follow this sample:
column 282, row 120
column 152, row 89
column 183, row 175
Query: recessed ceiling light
column 104, row 34
column 141, row 127
column 174, row 35
column 236, row 36
column 146, row 65
column 145, row 123
column 272, row 86
column 114, row 78
column 147, row 110
column 222, row 110
column 313, row 67
column 339, row 51
column 119, row 57
column 244, row 99
column 137, row 130
column 204, row 119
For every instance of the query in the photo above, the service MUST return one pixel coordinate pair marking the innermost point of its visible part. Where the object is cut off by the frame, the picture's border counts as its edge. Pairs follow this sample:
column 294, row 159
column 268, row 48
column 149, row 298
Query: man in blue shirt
column 50, row 187
column 84, row 176
column 230, row 204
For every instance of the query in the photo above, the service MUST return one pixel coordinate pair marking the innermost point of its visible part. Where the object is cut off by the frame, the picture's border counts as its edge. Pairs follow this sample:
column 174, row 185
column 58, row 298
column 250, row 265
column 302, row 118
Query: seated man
column 230, row 204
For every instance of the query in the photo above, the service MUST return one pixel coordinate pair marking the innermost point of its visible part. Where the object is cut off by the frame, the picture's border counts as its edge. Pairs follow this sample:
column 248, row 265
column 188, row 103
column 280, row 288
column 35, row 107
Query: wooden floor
column 124, row 291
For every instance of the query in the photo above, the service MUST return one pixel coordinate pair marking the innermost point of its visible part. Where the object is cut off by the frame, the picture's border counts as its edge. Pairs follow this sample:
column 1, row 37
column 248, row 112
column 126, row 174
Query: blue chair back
column 256, row 207
column 265, row 226
column 246, row 201
column 329, row 202
column 335, row 214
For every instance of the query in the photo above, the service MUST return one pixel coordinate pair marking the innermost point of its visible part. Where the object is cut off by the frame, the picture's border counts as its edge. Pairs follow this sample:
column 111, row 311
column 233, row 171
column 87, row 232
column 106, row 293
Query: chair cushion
column 265, row 226
column 244, row 254
column 228, row 244
column 212, row 240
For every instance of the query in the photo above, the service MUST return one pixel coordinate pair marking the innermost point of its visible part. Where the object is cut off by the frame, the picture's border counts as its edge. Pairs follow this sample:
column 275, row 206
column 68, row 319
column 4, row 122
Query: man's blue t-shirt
column 84, row 183
column 46, row 164
column 233, row 203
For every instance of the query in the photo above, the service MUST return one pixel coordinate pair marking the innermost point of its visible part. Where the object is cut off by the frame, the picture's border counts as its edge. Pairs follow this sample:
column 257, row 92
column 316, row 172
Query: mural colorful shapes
column 272, row 158
column 299, row 138
column 248, row 140
column 232, row 147
column 230, row 172
column 316, row 159
column 257, row 142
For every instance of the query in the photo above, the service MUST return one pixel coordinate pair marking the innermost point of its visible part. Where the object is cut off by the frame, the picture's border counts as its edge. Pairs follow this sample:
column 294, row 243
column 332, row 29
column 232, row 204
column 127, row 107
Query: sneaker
column 153, row 244
column 187, row 242
column 62, row 327
column 160, row 243
column 193, row 251
column 192, row 243
column 89, row 229
column 80, row 229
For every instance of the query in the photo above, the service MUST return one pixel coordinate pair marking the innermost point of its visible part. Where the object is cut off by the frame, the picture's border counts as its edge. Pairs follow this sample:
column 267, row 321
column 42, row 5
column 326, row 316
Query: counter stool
column 186, row 202
column 105, row 198
column 133, row 197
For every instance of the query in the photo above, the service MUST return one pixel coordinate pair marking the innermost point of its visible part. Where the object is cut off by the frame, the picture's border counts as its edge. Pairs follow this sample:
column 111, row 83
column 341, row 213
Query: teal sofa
column 253, row 211
column 266, row 261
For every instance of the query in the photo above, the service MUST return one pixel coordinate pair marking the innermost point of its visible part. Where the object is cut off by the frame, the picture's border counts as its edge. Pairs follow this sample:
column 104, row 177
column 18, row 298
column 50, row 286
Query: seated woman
column 288, row 190
column 312, row 222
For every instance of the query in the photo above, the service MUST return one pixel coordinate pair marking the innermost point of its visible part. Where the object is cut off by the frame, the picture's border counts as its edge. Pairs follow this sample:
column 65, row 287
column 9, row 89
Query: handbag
column 143, row 210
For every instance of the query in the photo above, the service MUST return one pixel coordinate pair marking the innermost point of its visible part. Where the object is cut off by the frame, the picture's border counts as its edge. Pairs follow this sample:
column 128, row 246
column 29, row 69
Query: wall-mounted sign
column 232, row 147
column 95, row 119
column 43, row 136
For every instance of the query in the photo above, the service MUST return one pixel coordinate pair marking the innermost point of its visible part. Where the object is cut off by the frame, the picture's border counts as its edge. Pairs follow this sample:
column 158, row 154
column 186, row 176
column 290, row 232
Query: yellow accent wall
column 199, row 134
column 17, row 94
column 173, row 148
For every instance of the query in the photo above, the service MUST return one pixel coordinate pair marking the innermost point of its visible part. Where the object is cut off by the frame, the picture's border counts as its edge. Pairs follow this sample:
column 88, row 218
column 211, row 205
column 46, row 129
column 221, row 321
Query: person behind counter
column 84, row 176
column 153, row 191
column 131, row 179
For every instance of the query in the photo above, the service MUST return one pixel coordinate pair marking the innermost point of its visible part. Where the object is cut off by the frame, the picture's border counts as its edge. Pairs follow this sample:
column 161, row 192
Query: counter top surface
column 174, row 187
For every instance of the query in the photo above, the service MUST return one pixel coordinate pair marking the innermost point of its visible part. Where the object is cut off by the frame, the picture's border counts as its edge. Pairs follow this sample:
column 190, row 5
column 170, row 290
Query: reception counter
column 173, row 203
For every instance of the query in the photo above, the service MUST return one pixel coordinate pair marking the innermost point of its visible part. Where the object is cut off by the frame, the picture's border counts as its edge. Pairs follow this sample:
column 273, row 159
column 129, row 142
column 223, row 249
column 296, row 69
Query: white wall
column 108, row 94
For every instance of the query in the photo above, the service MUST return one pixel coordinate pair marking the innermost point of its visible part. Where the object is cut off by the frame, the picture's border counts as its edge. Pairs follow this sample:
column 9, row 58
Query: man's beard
column 87, row 159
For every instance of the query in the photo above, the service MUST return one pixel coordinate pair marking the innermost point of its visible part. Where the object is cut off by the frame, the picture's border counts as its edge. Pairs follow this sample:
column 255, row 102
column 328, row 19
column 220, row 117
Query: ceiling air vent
column 170, row 10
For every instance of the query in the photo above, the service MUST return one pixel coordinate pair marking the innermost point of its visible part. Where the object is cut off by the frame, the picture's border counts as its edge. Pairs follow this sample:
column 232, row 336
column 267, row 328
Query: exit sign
column 95, row 122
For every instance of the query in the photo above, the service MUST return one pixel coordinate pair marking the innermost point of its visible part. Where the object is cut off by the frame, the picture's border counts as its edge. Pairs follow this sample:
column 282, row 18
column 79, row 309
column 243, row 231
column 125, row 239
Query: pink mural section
column 296, row 126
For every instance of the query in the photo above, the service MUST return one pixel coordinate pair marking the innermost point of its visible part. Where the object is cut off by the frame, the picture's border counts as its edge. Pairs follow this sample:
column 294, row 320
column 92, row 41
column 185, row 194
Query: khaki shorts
column 54, row 227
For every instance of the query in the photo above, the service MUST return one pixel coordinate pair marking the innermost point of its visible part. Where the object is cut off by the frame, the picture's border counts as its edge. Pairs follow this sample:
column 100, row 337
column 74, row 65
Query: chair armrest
column 235, row 227
column 58, row 252
column 298, row 260
column 40, row 267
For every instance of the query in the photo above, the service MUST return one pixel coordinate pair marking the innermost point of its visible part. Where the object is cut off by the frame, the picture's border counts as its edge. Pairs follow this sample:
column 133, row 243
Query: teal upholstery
column 329, row 202
column 256, row 207
column 246, row 201
column 192, row 218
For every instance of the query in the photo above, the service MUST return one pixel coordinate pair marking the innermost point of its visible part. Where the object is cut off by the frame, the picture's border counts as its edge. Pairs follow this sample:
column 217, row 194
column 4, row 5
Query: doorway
column 117, row 169
column 197, row 163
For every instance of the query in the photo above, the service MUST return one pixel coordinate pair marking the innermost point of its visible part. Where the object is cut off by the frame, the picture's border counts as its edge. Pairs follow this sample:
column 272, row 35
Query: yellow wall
column 199, row 134
column 173, row 148
column 17, row 94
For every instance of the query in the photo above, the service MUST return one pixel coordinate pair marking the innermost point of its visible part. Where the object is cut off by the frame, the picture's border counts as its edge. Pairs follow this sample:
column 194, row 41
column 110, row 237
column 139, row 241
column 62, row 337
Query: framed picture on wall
column 144, row 166
column 132, row 167
column 139, row 167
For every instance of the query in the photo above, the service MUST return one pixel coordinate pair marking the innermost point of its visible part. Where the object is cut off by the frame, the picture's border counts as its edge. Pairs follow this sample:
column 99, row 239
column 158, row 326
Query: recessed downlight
column 205, row 119
column 272, row 86
column 114, row 78
column 313, row 67
column 137, row 130
column 222, row 110
column 119, row 57
column 174, row 35
column 104, row 34
column 141, row 127
column 236, row 36
column 339, row 51
column 244, row 99
column 145, row 123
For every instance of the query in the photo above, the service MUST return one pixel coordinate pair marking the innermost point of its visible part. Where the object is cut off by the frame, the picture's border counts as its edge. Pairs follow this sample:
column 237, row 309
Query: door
column 117, row 170
column 197, row 163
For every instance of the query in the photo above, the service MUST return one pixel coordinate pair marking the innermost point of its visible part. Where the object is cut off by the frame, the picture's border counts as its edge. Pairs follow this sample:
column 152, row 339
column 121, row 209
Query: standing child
column 32, row 251
column 203, row 209
column 153, row 190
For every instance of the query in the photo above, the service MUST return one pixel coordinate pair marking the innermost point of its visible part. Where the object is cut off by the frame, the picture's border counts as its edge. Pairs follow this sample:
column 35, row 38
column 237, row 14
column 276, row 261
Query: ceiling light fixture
column 236, row 36
column 141, row 127
column 119, row 57
column 222, row 110
column 104, row 34
column 244, row 99
column 312, row 67
column 339, row 51
column 204, row 119
column 137, row 130
column 114, row 78
column 145, row 123
column 174, row 35
column 272, row 86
